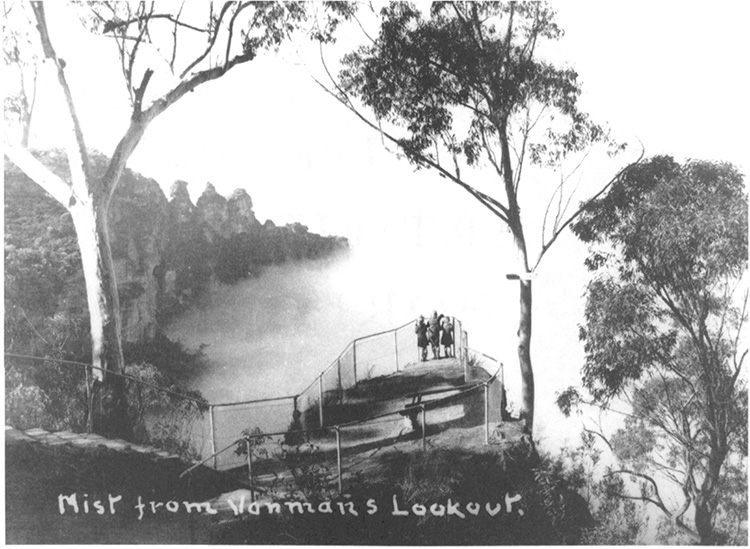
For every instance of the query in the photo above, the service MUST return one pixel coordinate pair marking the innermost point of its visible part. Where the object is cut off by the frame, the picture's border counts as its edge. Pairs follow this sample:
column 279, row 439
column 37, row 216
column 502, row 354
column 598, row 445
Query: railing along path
column 375, row 355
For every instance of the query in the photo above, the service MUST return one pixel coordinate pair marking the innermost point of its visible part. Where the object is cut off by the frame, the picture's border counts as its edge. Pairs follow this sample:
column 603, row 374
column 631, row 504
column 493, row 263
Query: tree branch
column 658, row 502
column 139, row 123
column 112, row 25
column 578, row 212
column 211, row 42
column 490, row 203
column 140, row 91
column 601, row 436
column 237, row 11
column 76, row 146
column 56, row 187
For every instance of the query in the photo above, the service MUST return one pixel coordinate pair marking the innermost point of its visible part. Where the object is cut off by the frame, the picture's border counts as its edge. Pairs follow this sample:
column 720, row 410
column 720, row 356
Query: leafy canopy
column 672, row 245
column 459, row 74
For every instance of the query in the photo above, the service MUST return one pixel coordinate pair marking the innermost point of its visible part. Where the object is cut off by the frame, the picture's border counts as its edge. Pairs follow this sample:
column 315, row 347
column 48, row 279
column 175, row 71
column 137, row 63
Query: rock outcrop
column 240, row 215
column 212, row 213
column 181, row 209
column 165, row 252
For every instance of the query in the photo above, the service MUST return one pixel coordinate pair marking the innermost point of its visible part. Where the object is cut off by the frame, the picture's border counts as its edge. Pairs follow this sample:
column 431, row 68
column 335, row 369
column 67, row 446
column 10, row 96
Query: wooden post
column 320, row 402
column 424, row 429
column 395, row 337
column 338, row 458
column 354, row 357
column 213, row 433
column 250, row 470
column 486, row 413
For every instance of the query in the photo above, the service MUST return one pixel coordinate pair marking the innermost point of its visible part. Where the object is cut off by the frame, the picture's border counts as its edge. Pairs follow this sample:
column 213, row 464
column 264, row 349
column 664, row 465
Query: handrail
column 245, row 437
column 206, row 404
column 368, row 336
column 443, row 390
column 126, row 376
column 196, row 400
column 352, row 342
column 333, row 427
column 196, row 465
column 481, row 353
column 256, row 401
column 303, row 391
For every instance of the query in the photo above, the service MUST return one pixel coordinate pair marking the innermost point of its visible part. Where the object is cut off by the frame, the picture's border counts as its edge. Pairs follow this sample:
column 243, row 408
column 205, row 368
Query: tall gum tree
column 664, row 319
column 187, row 45
column 463, row 90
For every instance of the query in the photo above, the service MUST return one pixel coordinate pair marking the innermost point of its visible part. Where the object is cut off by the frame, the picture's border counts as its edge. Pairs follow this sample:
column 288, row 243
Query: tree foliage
column 160, row 65
column 663, row 323
column 464, row 89
column 20, row 59
column 461, row 75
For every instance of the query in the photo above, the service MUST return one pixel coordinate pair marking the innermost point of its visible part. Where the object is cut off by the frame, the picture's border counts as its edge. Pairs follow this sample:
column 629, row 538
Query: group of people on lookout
column 437, row 331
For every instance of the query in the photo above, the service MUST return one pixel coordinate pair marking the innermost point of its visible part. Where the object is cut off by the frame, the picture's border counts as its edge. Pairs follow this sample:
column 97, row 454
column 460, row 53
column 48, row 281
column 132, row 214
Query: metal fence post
column 338, row 457
column 250, row 470
column 486, row 413
column 395, row 337
column 341, row 389
column 503, row 403
column 320, row 402
column 424, row 429
column 465, row 352
column 354, row 359
column 213, row 432
column 89, row 402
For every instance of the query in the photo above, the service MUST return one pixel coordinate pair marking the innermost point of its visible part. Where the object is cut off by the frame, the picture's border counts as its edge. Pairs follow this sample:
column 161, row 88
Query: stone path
column 83, row 440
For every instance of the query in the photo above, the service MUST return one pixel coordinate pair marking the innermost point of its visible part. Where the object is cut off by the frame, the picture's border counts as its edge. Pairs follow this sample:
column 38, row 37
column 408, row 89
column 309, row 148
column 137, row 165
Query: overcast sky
column 672, row 74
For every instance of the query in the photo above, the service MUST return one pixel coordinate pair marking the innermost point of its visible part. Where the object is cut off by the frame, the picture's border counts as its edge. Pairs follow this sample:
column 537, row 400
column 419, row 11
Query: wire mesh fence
column 319, row 463
column 375, row 356
column 481, row 366
column 405, row 343
column 310, row 405
column 232, row 421
column 345, row 365
column 217, row 432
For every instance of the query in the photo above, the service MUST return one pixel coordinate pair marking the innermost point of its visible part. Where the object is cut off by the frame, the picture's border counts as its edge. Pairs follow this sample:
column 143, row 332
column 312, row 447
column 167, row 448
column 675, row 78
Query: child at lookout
column 446, row 340
column 421, row 330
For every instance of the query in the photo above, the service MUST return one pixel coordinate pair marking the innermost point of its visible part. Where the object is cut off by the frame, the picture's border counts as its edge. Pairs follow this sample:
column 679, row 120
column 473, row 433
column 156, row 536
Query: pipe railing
column 422, row 408
column 203, row 404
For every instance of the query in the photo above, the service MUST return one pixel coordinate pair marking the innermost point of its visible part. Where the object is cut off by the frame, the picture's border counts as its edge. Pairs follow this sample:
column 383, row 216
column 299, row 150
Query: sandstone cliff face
column 165, row 251
column 138, row 220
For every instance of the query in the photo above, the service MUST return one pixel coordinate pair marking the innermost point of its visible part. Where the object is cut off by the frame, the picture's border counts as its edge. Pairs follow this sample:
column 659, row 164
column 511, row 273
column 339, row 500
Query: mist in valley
column 270, row 336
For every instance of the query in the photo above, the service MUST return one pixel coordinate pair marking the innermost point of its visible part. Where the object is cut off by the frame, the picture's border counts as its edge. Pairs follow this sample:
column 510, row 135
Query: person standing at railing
column 447, row 337
column 421, row 330
column 433, row 333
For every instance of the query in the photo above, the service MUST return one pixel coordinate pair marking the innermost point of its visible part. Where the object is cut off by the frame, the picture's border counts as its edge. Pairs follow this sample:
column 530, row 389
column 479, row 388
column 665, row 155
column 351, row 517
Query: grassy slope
column 36, row 475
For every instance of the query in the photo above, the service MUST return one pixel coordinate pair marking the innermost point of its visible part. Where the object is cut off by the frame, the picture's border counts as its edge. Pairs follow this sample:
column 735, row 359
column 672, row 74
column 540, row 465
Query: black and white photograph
column 375, row 273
